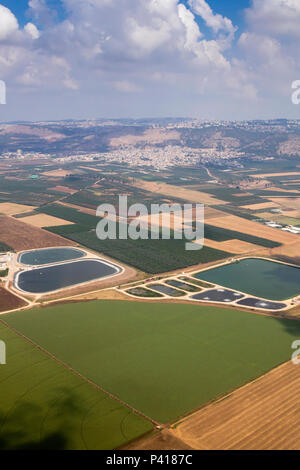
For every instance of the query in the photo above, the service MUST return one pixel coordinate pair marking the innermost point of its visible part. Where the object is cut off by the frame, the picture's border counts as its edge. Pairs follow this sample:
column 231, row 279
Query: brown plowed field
column 233, row 222
column 8, row 301
column 63, row 189
column 232, row 246
column 45, row 220
column 288, row 203
column 21, row 236
column 263, row 415
column 179, row 192
column 10, row 208
column 264, row 205
column 291, row 251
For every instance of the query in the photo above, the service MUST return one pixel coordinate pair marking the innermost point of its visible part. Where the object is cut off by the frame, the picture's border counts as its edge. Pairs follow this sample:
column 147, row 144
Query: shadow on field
column 290, row 326
column 46, row 427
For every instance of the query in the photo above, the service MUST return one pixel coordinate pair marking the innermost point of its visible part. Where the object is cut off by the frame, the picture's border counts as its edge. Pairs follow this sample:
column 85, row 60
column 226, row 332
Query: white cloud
column 8, row 23
column 275, row 17
column 193, row 33
column 150, row 47
column 32, row 30
column 215, row 21
column 146, row 38
column 46, row 73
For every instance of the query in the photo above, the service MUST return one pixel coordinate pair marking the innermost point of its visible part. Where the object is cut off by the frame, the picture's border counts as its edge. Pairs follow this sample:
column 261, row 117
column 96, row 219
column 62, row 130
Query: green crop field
column 151, row 256
column 43, row 405
column 5, row 247
column 72, row 215
column 164, row 359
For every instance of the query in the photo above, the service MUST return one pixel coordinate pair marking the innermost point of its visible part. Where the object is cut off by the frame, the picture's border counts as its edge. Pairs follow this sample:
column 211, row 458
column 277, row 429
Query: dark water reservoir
column 51, row 278
column 49, row 256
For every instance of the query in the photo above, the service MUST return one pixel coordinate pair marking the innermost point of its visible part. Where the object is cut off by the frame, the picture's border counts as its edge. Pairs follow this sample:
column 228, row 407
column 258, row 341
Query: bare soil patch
column 291, row 251
column 287, row 202
column 9, row 208
column 232, row 246
column 110, row 294
column 256, row 229
column 264, row 205
column 45, row 220
column 9, row 301
column 21, row 236
column 178, row 192
column 282, row 190
column 56, row 173
column 63, row 189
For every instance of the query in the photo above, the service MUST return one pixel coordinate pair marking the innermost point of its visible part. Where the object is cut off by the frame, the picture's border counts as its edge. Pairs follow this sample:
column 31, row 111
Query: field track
column 263, row 415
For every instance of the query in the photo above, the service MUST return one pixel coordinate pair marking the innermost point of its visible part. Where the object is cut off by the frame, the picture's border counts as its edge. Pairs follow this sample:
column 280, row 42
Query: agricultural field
column 44, row 220
column 263, row 415
column 9, row 301
column 44, row 405
column 5, row 247
column 21, row 236
column 170, row 359
column 25, row 191
column 71, row 215
column 182, row 193
column 221, row 234
column 151, row 256
column 253, row 229
column 233, row 246
column 7, row 208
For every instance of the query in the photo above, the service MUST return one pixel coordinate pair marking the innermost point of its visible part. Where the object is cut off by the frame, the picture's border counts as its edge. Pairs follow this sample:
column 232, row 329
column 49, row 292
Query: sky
column 207, row 59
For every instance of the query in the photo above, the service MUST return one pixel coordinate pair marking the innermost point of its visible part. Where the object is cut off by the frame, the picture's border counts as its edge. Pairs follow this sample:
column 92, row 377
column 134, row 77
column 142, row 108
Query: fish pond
column 259, row 277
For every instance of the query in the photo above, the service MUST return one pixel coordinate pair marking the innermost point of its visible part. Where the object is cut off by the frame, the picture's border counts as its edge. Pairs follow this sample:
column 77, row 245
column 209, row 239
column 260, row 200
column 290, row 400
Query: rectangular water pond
column 258, row 277
column 183, row 285
column 164, row 289
column 59, row 276
column 49, row 256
